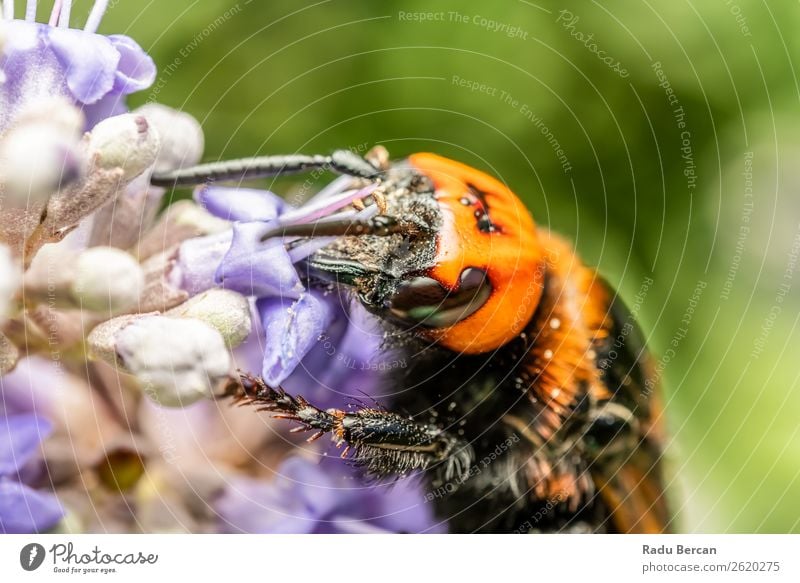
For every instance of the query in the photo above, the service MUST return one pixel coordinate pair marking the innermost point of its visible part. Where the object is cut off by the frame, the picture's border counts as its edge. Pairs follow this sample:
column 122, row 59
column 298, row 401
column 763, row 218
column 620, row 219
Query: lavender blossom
column 22, row 508
column 42, row 61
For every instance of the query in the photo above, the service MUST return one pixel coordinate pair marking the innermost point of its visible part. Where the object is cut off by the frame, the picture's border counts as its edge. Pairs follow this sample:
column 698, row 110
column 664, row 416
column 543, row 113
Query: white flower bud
column 199, row 220
column 100, row 279
column 181, row 136
column 102, row 340
column 177, row 361
column 107, row 279
column 10, row 279
column 56, row 111
column 125, row 141
column 225, row 310
column 40, row 153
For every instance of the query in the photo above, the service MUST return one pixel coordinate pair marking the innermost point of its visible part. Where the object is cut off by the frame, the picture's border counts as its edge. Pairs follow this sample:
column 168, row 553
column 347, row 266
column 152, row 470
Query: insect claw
column 315, row 437
column 289, row 416
column 345, row 452
column 299, row 429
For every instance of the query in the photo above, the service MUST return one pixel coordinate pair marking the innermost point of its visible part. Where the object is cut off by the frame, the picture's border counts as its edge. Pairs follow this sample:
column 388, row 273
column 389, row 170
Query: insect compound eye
column 423, row 300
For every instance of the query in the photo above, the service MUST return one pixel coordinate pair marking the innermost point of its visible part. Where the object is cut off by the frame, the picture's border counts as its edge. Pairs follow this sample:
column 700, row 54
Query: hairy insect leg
column 383, row 442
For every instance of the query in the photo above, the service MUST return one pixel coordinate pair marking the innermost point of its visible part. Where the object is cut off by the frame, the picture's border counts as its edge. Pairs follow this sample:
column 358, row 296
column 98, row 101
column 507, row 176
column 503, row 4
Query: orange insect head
column 484, row 226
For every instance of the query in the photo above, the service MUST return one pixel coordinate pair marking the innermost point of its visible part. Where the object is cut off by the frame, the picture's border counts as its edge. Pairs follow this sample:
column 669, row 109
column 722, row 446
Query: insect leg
column 383, row 442
column 341, row 161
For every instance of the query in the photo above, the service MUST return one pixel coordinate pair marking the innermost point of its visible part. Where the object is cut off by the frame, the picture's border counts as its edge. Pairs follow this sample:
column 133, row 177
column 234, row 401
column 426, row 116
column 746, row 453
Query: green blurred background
column 709, row 211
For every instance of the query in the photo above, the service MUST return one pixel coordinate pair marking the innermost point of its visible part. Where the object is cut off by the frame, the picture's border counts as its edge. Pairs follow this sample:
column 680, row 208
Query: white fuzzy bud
column 100, row 279
column 40, row 153
column 225, row 310
column 107, row 279
column 10, row 279
column 182, row 138
column 58, row 112
column 192, row 216
column 102, row 340
column 125, row 141
column 177, row 361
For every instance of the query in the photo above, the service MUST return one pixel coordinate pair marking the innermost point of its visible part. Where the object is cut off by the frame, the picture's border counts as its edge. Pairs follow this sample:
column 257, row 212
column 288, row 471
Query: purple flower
column 42, row 61
column 23, row 509
column 305, row 497
column 317, row 342
column 255, row 268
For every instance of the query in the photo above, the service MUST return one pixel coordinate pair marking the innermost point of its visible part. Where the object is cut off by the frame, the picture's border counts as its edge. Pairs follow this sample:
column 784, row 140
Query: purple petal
column 109, row 106
column 371, row 508
column 401, row 507
column 325, row 497
column 24, row 510
column 240, row 204
column 255, row 268
column 20, row 436
column 198, row 260
column 29, row 72
column 34, row 386
column 336, row 371
column 248, row 505
column 136, row 70
column 294, row 501
column 89, row 61
column 351, row 365
column 311, row 484
column 291, row 331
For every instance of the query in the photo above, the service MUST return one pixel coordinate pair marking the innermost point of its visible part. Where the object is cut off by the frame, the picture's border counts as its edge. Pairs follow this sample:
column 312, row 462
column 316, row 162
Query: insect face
column 462, row 268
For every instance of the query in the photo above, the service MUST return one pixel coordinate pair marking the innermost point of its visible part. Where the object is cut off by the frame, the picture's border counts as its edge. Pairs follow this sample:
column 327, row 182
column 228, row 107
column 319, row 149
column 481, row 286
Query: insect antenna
column 340, row 161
